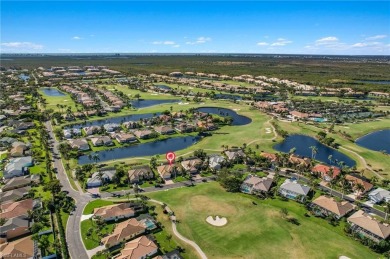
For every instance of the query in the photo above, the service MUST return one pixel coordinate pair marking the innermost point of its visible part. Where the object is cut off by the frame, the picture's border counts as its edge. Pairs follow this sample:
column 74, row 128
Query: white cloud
column 327, row 40
column 20, row 46
column 199, row 40
column 167, row 42
column 262, row 44
column 377, row 37
column 281, row 42
column 65, row 50
column 359, row 45
column 176, row 46
column 76, row 38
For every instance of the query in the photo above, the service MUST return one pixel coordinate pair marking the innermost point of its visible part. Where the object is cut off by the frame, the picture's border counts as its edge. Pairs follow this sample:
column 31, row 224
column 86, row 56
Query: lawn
column 95, row 204
column 53, row 101
column 93, row 240
column 255, row 231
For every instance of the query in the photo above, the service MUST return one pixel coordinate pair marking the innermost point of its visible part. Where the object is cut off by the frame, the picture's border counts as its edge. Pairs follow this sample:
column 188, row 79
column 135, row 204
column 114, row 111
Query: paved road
column 73, row 235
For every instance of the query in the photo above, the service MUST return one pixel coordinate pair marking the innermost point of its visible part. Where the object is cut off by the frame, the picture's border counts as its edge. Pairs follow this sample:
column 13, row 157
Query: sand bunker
column 268, row 130
column 218, row 222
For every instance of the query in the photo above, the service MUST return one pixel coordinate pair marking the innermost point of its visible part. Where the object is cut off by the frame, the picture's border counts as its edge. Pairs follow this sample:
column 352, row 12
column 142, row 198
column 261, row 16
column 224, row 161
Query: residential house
column 19, row 182
column 79, row 144
column 174, row 254
column 234, row 155
column 125, row 137
column 326, row 206
column 215, row 162
column 15, row 227
column 297, row 160
column 69, row 133
column 269, row 156
column 139, row 248
column 378, row 195
column 293, row 190
column 185, row 127
column 369, row 227
column 124, row 231
column 131, row 124
column 139, row 174
column 98, row 178
column 15, row 209
column 143, row 134
column 23, row 246
column 101, row 141
column 18, row 149
column 13, row 195
column 17, row 167
column 254, row 184
column 166, row 171
column 164, row 130
column 192, row 165
column 91, row 130
column 296, row 115
column 327, row 173
column 114, row 212
column 111, row 127
column 358, row 184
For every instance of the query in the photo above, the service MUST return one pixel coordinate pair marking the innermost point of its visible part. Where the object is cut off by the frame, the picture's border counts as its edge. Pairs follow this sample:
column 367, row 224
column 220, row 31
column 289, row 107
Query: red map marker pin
column 170, row 156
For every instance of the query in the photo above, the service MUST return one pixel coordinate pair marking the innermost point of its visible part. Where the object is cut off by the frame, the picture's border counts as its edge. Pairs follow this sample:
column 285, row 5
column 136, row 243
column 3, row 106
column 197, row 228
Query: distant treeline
column 326, row 71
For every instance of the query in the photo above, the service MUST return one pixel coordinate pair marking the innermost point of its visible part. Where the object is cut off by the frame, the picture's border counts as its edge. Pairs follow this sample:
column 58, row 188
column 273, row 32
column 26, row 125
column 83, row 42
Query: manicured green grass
column 95, row 204
column 255, row 231
column 93, row 240
column 53, row 101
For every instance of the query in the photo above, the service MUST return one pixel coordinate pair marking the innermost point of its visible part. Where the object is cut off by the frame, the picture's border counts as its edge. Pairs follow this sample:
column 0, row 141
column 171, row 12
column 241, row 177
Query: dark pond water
column 228, row 96
column 303, row 143
column 377, row 140
column 145, row 149
column 147, row 103
column 376, row 82
column 52, row 92
column 164, row 87
column 118, row 120
column 24, row 77
column 238, row 120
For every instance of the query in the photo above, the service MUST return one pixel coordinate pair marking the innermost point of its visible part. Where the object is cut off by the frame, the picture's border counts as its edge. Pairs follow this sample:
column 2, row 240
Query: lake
column 303, row 143
column 238, row 120
column 377, row 140
column 376, row 82
column 147, row 103
column 228, row 96
column 52, row 91
column 146, row 149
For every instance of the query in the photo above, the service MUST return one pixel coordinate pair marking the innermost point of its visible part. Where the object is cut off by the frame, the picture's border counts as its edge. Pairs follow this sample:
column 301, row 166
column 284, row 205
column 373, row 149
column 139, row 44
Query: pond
column 147, row 103
column 118, row 120
column 303, row 143
column 228, row 96
column 52, row 91
column 376, row 82
column 145, row 149
column 377, row 140
column 163, row 87
column 238, row 120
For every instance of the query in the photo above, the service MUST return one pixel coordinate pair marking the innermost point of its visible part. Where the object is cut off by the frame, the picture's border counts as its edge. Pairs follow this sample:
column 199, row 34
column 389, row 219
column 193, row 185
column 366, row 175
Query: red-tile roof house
column 124, row 231
column 141, row 247
column 114, row 212
column 368, row 226
column 20, row 248
column 355, row 181
column 15, row 209
column 329, row 207
column 327, row 172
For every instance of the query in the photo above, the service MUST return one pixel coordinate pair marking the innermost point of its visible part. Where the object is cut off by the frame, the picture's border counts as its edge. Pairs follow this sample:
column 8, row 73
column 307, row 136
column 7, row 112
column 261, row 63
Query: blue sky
column 291, row 27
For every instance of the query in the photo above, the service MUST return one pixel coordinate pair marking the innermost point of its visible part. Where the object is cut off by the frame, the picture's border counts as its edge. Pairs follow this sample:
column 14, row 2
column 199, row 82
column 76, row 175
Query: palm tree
column 387, row 209
column 344, row 185
column 95, row 157
column 314, row 151
column 374, row 180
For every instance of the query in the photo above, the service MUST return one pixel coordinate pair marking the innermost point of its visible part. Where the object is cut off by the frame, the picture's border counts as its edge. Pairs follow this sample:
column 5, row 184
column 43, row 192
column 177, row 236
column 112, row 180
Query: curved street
column 73, row 236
